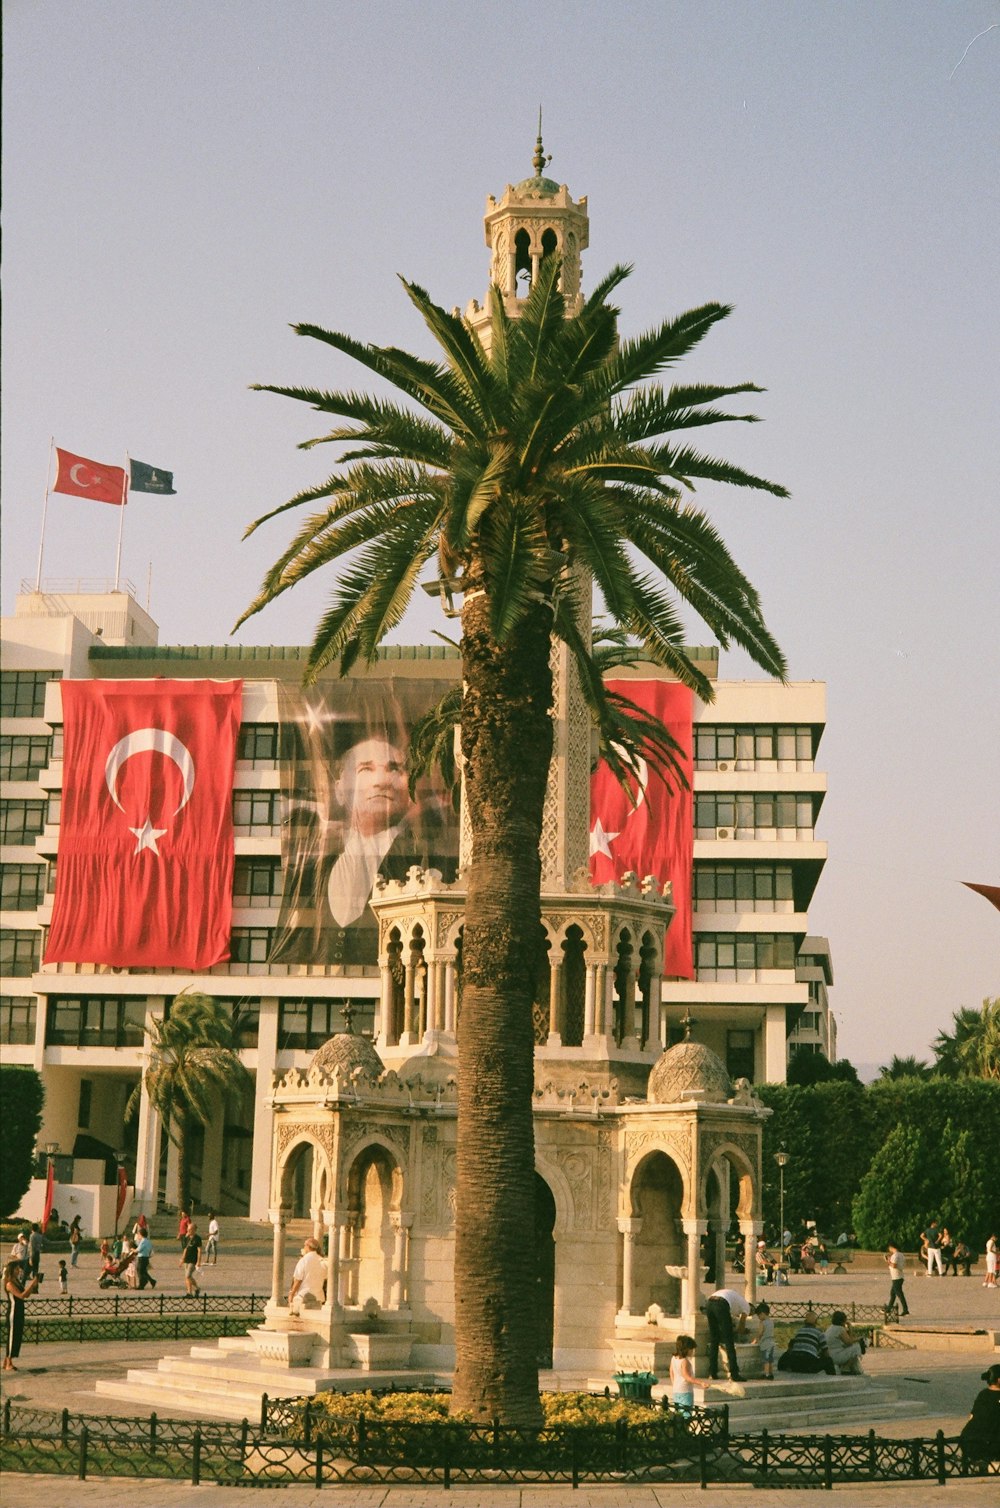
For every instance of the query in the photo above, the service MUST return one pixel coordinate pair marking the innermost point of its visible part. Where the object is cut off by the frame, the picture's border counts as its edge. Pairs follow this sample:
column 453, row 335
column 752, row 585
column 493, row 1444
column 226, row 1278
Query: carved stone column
column 333, row 1229
column 409, row 1003
column 589, row 991
column 691, row 1283
column 400, row 1291
column 279, row 1219
column 630, row 1228
column 750, row 1230
column 449, row 996
column 555, row 998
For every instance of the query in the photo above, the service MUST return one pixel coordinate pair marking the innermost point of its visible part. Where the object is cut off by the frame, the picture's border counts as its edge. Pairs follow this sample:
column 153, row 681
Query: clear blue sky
column 183, row 180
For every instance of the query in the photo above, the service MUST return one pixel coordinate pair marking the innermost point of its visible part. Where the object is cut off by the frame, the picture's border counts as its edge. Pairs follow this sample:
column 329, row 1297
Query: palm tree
column 191, row 1062
column 971, row 1047
column 527, row 470
column 904, row 1068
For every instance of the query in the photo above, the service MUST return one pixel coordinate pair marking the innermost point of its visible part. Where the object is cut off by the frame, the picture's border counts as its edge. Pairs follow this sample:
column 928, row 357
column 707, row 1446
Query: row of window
column 22, row 755
column 23, row 887
column 21, row 821
column 115, row 1021
column 22, row 692
column 718, row 951
column 750, row 887
column 748, row 746
column 751, row 811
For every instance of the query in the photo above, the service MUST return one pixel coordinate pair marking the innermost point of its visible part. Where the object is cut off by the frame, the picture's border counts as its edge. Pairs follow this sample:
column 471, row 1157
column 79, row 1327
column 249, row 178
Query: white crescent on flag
column 149, row 741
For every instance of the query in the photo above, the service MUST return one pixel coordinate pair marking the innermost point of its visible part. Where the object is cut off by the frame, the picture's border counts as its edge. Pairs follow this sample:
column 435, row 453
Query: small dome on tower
column 537, row 187
column 348, row 1052
column 688, row 1066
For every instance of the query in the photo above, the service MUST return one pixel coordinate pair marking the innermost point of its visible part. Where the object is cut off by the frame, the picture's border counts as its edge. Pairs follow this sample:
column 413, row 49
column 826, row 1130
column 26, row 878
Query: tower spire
column 539, row 162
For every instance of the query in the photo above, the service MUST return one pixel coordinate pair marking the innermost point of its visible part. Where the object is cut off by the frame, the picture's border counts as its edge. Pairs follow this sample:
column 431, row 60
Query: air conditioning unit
column 723, row 765
column 723, row 832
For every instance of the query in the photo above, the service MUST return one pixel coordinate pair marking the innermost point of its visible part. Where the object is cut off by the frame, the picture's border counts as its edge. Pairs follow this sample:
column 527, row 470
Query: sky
column 184, row 181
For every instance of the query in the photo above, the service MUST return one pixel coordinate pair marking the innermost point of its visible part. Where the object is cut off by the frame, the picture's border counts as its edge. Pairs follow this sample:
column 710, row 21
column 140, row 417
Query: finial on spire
column 540, row 162
column 687, row 1021
column 347, row 1011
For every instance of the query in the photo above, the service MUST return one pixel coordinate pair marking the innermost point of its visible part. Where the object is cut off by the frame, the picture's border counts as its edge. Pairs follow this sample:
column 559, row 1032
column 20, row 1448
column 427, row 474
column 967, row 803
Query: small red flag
column 653, row 833
column 82, row 478
column 50, row 1194
column 145, row 867
column 122, row 1192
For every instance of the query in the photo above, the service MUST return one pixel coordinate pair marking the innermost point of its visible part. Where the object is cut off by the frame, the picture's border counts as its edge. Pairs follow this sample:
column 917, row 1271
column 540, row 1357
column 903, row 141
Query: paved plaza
column 940, row 1374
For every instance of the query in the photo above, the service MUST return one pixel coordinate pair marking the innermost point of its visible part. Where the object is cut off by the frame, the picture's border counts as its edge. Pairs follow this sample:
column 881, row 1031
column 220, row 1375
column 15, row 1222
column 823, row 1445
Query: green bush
column 21, row 1100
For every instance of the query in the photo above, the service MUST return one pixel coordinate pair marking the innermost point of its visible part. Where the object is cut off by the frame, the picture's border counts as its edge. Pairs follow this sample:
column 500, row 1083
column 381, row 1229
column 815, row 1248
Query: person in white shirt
column 308, row 1288
column 212, row 1244
column 721, row 1310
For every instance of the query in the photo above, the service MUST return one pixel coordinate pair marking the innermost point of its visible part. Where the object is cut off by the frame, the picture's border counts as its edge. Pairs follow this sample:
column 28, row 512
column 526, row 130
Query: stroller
column 114, row 1273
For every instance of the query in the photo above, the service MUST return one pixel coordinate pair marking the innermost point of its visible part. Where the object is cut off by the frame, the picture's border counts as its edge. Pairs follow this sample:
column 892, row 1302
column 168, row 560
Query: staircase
column 794, row 1405
column 228, row 1381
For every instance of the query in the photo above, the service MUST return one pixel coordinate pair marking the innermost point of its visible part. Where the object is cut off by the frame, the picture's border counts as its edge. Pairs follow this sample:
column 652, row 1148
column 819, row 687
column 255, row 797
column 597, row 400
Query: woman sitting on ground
column 980, row 1437
column 846, row 1350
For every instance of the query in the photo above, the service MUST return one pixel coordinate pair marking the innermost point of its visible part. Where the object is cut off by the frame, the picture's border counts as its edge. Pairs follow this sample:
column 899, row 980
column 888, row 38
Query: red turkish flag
column 145, row 866
column 655, row 835
column 82, row 478
column 50, row 1196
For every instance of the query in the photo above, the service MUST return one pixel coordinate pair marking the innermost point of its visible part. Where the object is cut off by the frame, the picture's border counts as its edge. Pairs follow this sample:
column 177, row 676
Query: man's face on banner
column 372, row 786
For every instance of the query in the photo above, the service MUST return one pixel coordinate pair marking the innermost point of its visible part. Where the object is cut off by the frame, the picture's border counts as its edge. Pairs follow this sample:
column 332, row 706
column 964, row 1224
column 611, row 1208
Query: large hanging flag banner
column 79, row 477
column 145, row 862
column 349, row 817
column 145, row 478
column 650, row 830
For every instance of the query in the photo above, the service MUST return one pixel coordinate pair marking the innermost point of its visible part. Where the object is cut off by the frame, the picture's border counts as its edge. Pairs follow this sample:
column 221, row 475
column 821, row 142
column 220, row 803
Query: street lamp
column 781, row 1157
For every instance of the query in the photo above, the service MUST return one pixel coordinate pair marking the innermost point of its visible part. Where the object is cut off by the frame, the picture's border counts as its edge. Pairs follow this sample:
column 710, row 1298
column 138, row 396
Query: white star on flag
column 601, row 841
column 146, row 836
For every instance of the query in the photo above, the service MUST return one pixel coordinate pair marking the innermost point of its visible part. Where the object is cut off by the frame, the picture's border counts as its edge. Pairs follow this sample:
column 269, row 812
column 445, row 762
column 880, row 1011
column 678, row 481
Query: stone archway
column 656, row 1196
column 297, row 1181
column 374, row 1190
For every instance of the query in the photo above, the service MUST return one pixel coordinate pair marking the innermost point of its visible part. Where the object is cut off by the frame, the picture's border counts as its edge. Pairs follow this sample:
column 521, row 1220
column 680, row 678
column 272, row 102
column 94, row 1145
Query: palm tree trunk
column 507, row 745
column 183, row 1158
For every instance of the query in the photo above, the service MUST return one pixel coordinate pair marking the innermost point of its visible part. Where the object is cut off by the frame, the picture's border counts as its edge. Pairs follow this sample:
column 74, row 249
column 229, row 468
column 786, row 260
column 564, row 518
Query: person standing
column 63, row 1277
column 17, row 1288
column 75, row 1237
column 212, row 1244
column 36, row 1241
column 931, row 1238
column 992, row 1253
column 765, row 1339
column 191, row 1260
column 143, row 1252
column 722, row 1308
column 682, row 1378
column 183, row 1226
column 896, row 1263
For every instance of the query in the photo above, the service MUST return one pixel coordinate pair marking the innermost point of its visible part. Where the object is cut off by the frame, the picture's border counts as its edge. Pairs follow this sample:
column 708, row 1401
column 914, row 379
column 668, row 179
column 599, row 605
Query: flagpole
column 121, row 523
column 45, row 510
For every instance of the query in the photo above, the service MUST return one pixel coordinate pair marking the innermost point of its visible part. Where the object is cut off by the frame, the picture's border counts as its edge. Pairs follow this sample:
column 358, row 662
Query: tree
column 530, row 471
column 21, row 1100
column 904, row 1068
column 898, row 1194
column 192, row 1061
column 808, row 1067
column 956, row 1052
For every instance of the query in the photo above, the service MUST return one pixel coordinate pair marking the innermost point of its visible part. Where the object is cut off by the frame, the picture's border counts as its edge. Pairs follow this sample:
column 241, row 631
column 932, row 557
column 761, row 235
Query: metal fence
column 376, row 1451
column 122, row 1316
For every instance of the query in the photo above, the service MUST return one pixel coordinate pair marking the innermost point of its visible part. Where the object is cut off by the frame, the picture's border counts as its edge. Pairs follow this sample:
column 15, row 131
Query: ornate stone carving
column 382, row 1131
column 321, row 1136
column 577, row 1168
column 605, row 1176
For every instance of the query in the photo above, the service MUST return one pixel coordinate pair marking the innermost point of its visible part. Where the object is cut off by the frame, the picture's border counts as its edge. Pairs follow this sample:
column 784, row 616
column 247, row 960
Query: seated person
column 765, row 1264
column 846, row 1350
column 980, row 1437
column 807, row 1352
column 961, row 1257
column 808, row 1261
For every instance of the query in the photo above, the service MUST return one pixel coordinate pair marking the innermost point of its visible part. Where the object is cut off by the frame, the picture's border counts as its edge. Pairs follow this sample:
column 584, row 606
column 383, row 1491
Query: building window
column 750, row 748
column 22, row 755
column 86, row 1095
column 22, row 886
column 246, row 1015
column 95, row 1021
column 22, row 692
column 256, row 882
column 250, row 944
column 18, row 1016
column 258, row 743
column 21, row 821
column 256, row 812
column 740, row 1054
column 751, row 813
column 743, row 887
column 808, row 1022
column 304, row 1025
column 18, row 952
column 725, row 955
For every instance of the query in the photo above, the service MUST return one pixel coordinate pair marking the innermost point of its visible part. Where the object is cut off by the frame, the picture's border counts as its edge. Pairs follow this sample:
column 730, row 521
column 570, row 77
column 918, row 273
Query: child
column 765, row 1339
column 682, row 1377
column 63, row 1278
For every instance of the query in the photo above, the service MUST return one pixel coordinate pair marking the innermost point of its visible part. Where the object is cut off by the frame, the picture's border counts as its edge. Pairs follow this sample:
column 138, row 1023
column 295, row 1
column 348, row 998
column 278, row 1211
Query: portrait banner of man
column 348, row 816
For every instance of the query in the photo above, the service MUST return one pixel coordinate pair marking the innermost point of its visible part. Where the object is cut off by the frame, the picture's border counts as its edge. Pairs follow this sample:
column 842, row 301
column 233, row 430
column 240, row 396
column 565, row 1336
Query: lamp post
column 781, row 1157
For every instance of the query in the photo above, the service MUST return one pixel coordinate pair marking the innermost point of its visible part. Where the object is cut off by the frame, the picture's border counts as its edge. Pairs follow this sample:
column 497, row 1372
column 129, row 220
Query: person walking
column 143, row 1252
column 722, row 1309
column 682, row 1378
column 212, row 1244
column 897, row 1264
column 17, row 1287
column 191, row 1259
column 75, row 1237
